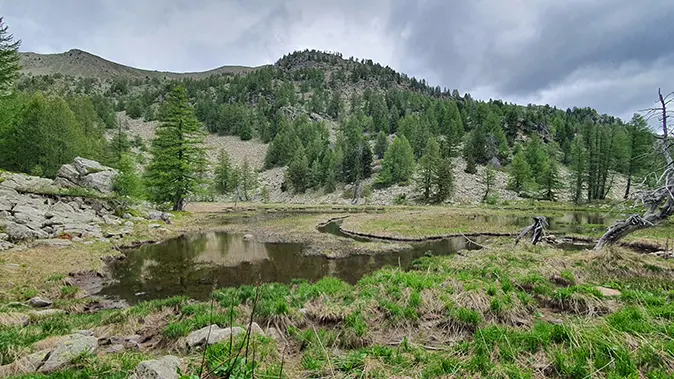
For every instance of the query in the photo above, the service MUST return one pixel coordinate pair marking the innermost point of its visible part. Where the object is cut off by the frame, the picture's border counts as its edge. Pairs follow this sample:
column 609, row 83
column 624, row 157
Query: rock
column 38, row 302
column 68, row 172
column 114, row 349
column 46, row 313
column 165, row 367
column 87, row 166
column 14, row 319
column 126, row 216
column 27, row 183
column 248, row 237
column 85, row 332
column 54, row 242
column 17, row 232
column 154, row 226
column 255, row 329
column 48, row 229
column 4, row 236
column 128, row 224
column 100, row 181
column 6, row 245
column 608, row 292
column 26, row 365
column 160, row 216
column 198, row 338
column 67, row 350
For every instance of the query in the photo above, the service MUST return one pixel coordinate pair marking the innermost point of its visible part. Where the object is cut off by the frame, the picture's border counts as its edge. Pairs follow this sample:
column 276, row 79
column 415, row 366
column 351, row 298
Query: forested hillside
column 333, row 120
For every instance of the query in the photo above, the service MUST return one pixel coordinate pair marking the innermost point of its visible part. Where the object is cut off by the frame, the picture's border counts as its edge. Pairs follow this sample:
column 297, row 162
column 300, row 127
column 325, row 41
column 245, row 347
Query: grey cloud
column 609, row 54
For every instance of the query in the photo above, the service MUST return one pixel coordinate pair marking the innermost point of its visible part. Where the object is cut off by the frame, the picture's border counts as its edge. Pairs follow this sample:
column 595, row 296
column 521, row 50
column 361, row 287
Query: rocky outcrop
column 211, row 335
column 70, row 348
column 87, row 174
column 163, row 368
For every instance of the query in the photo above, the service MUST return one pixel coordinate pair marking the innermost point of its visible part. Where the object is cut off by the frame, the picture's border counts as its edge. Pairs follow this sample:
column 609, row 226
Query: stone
column 70, row 348
column 608, row 292
column 54, row 242
column 46, row 313
column 114, row 349
column 17, row 232
column 62, row 207
column 26, row 365
column 100, row 181
column 112, row 220
column 84, row 332
column 248, row 237
column 48, row 229
column 85, row 166
column 200, row 337
column 26, row 183
column 4, row 236
column 256, row 330
column 38, row 302
column 14, row 319
column 154, row 226
column 160, row 216
column 68, row 172
column 165, row 367
column 5, row 245
column 126, row 216
column 128, row 224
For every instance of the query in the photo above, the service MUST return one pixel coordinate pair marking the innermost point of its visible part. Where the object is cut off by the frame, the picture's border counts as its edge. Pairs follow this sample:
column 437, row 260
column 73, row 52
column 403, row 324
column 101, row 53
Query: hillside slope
column 80, row 63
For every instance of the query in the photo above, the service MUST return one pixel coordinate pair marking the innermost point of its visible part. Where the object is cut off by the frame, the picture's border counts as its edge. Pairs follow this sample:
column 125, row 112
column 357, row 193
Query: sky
column 611, row 55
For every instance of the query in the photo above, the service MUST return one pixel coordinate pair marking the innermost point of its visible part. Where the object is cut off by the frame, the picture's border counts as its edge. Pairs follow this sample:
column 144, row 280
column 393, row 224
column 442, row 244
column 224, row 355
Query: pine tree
column 443, row 180
column 639, row 141
column 298, row 173
column 578, row 168
column 224, row 174
column 520, row 171
column 119, row 145
column 245, row 181
column 488, row 180
column 398, row 164
column 9, row 59
column 381, row 144
column 316, row 177
column 428, row 164
column 550, row 180
column 328, row 166
column 127, row 183
column 178, row 161
column 471, row 166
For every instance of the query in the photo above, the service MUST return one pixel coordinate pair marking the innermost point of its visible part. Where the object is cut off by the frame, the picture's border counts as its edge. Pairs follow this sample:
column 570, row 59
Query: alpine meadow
column 323, row 216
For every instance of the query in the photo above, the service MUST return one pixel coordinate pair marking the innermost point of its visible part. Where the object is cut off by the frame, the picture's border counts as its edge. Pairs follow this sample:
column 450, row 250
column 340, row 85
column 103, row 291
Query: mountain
column 80, row 63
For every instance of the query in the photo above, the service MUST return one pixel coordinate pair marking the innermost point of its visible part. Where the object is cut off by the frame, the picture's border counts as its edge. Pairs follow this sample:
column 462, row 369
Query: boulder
column 100, row 181
column 608, row 292
column 26, row 183
column 112, row 220
column 255, row 329
column 4, row 236
column 17, row 232
column 87, row 166
column 202, row 336
column 70, row 348
column 165, row 367
column 5, row 245
column 69, row 173
column 160, row 216
column 38, row 302
column 26, row 365
column 248, row 237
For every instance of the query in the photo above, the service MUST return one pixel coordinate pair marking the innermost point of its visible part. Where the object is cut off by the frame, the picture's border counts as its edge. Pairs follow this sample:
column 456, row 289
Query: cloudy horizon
column 611, row 55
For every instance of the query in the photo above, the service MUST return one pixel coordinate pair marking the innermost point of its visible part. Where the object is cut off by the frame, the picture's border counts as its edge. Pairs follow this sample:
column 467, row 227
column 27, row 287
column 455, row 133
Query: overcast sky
column 608, row 54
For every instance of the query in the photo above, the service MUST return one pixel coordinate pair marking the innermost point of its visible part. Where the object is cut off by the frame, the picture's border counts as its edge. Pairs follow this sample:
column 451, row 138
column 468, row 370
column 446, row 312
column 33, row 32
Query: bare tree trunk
column 660, row 201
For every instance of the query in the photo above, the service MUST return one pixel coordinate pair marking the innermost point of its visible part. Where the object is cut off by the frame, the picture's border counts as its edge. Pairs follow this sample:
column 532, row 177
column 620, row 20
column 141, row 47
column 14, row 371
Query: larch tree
column 520, row 171
column 224, row 174
column 427, row 170
column 381, row 144
column 639, row 146
column 398, row 164
column 178, row 156
column 9, row 59
column 578, row 168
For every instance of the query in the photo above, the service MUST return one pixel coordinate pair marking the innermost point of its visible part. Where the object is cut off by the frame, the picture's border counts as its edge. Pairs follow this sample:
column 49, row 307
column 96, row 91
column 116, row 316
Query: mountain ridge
column 80, row 63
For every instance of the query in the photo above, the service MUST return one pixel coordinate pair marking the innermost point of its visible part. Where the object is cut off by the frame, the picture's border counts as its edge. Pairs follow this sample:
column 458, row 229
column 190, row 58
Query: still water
column 188, row 265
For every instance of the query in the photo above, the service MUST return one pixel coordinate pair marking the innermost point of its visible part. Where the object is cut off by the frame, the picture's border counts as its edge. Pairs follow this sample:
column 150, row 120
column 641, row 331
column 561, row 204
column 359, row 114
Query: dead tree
column 660, row 201
column 537, row 230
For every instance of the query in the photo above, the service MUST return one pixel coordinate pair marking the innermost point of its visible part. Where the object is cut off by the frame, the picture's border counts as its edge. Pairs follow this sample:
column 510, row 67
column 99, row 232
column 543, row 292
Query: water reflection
column 187, row 265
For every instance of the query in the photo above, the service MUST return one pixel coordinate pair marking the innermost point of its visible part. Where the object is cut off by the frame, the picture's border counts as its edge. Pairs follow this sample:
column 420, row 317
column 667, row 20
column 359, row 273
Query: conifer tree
column 224, row 174
column 398, row 164
column 381, row 144
column 520, row 171
column 178, row 161
column 578, row 167
column 9, row 59
column 245, row 181
column 443, row 180
column 550, row 180
column 488, row 180
column 427, row 170
column 298, row 173
column 639, row 141
column 328, row 166
column 127, row 183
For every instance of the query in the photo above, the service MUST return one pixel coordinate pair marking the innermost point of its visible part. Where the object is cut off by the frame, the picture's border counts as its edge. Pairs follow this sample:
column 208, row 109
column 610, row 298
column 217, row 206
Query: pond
column 188, row 265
